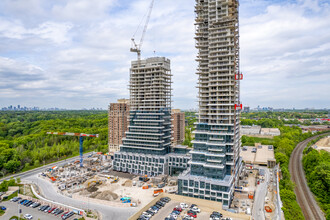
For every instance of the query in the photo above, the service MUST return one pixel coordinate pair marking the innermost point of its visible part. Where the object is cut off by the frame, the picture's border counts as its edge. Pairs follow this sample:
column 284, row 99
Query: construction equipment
column 96, row 182
column 268, row 208
column 137, row 47
column 81, row 140
column 157, row 192
column 144, row 178
column 115, row 180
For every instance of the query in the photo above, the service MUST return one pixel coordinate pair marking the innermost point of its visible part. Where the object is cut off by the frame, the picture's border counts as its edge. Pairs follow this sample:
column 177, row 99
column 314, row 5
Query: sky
column 75, row 54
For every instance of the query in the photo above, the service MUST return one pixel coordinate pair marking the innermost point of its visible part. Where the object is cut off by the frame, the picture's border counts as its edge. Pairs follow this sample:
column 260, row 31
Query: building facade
column 216, row 163
column 148, row 139
column 118, row 123
column 178, row 125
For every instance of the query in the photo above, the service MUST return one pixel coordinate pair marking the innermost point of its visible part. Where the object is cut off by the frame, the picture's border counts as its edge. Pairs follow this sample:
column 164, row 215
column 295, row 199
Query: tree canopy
column 25, row 144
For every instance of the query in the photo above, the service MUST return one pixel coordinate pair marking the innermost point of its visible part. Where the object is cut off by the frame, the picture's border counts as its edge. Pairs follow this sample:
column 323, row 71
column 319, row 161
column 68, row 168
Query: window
column 196, row 184
column 215, row 187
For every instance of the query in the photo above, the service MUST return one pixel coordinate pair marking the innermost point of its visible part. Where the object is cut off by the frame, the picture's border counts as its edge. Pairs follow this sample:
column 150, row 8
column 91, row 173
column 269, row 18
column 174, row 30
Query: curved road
column 305, row 197
column 107, row 212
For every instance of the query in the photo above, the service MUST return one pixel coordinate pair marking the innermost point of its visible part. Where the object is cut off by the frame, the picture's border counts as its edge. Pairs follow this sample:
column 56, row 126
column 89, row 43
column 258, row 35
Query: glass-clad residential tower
column 215, row 160
column 148, row 138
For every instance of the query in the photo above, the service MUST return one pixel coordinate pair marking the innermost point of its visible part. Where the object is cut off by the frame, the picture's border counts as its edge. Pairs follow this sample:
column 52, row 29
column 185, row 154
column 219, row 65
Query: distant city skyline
column 75, row 54
column 37, row 108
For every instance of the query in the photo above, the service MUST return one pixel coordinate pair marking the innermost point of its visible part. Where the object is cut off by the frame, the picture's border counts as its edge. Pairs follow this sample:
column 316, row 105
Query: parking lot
column 13, row 210
column 166, row 210
column 198, row 209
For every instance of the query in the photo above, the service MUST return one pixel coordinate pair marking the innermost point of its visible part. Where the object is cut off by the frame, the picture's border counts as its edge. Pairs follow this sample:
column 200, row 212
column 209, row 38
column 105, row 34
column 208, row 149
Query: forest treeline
column 24, row 143
column 317, row 171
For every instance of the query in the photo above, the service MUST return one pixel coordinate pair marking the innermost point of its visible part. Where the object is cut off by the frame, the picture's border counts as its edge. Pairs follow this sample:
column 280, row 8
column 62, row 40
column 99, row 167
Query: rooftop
column 258, row 154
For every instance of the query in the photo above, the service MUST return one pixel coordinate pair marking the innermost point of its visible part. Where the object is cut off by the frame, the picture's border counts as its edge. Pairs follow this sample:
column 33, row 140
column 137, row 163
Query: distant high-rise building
column 246, row 109
column 148, row 139
column 178, row 125
column 118, row 123
column 216, row 163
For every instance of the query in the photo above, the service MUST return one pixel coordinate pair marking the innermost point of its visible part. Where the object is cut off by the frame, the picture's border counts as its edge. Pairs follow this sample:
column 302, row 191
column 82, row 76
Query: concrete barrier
column 204, row 205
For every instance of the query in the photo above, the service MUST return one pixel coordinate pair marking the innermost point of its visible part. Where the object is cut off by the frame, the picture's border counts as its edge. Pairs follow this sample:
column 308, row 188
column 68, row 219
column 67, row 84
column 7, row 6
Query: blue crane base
column 81, row 140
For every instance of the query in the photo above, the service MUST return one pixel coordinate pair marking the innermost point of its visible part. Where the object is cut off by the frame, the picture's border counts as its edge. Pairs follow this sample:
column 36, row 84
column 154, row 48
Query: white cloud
column 80, row 51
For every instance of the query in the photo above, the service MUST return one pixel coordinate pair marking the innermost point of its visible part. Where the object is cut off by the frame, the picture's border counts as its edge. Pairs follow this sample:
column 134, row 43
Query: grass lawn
column 16, row 218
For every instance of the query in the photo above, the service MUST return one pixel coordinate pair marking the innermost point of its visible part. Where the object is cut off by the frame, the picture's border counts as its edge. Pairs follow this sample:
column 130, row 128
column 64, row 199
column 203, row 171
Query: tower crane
column 137, row 47
column 81, row 140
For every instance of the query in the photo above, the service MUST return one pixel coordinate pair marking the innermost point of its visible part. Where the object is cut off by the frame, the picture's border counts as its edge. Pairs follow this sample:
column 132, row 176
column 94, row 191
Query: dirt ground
column 112, row 192
column 323, row 144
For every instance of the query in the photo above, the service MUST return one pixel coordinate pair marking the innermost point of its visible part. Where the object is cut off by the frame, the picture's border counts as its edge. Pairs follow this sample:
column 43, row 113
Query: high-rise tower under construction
column 215, row 160
column 148, row 139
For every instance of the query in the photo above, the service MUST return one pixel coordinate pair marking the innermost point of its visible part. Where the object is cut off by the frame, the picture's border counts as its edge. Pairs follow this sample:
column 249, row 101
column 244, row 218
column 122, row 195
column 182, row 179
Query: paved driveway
column 259, row 201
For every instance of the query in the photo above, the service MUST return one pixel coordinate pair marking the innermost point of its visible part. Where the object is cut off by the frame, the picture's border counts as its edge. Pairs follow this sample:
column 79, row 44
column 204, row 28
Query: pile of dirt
column 105, row 195
column 91, row 181
column 84, row 193
column 92, row 189
column 127, row 183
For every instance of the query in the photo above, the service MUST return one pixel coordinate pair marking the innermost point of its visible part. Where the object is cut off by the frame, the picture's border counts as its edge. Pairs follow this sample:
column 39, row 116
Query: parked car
column 153, row 210
column 147, row 214
column 22, row 201
column 28, row 216
column 195, row 209
column 3, row 208
column 59, row 212
column 160, row 203
column 47, row 209
column 165, row 199
column 44, row 208
column 55, row 210
column 67, row 215
column 187, row 217
column 150, row 212
column 35, row 205
column 173, row 216
column 176, row 212
column 183, row 205
column 28, row 203
column 192, row 213
column 177, row 209
column 15, row 199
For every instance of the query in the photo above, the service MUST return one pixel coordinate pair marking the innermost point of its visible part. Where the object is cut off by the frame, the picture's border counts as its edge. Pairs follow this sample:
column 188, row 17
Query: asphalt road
column 107, row 212
column 259, row 201
column 40, row 169
column 305, row 197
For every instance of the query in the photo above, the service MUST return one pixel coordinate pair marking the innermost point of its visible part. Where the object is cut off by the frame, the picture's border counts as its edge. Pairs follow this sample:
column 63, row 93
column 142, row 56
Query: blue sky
column 75, row 53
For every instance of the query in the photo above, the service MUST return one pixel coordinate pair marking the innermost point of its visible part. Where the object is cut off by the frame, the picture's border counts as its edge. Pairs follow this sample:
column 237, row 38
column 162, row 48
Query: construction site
column 96, row 182
column 323, row 144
